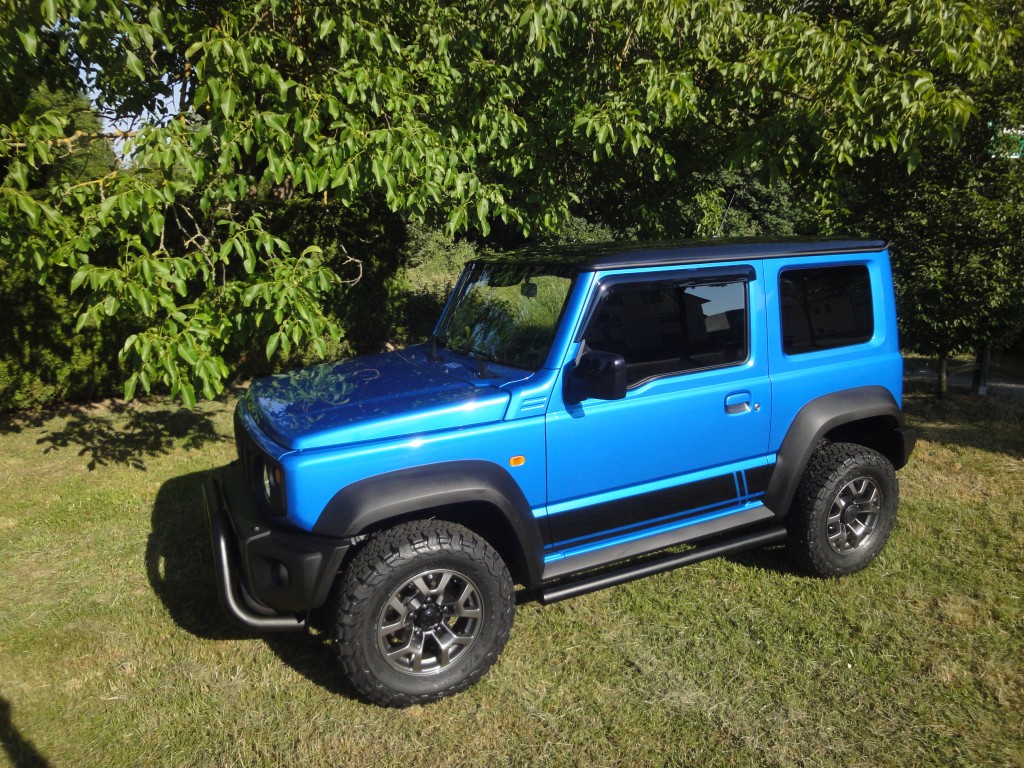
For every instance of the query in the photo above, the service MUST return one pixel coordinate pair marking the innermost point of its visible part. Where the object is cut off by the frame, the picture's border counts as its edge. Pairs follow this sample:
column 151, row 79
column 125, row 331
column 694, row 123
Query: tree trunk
column 979, row 386
column 942, row 381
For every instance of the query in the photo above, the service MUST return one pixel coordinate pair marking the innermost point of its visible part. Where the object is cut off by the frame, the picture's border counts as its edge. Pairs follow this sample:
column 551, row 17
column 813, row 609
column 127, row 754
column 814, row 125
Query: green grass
column 113, row 650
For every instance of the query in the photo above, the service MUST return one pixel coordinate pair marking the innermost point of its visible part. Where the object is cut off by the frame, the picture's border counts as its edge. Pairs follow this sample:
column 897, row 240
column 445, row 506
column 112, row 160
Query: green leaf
column 134, row 65
column 376, row 39
column 188, row 395
column 156, row 19
column 29, row 40
column 275, row 121
column 50, row 12
column 77, row 279
column 29, row 207
column 228, row 99
column 272, row 344
column 326, row 27
column 130, row 386
column 18, row 172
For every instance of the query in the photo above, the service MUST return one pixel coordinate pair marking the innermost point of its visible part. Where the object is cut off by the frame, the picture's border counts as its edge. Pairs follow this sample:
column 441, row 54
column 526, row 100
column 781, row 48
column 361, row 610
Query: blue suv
column 577, row 415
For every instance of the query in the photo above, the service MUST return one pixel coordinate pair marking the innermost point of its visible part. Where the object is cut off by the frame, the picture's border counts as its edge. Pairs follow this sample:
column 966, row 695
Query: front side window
column 825, row 307
column 506, row 313
column 671, row 327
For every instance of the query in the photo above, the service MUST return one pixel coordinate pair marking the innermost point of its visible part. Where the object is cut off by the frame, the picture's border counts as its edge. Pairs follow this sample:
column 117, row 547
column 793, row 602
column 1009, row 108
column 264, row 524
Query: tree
column 955, row 226
column 958, row 256
column 42, row 358
column 458, row 116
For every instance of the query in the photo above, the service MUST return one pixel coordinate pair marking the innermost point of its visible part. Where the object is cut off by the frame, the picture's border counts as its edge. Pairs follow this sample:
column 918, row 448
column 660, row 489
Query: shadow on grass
column 179, row 565
column 311, row 656
column 773, row 558
column 990, row 423
column 19, row 750
column 179, row 561
column 118, row 433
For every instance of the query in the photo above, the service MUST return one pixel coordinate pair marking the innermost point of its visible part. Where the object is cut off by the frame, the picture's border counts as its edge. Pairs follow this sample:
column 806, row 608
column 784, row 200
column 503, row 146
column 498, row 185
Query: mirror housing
column 600, row 375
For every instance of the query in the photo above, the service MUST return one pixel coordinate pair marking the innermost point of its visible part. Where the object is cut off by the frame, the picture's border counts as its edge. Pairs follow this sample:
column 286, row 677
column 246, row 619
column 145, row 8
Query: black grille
column 248, row 455
column 253, row 460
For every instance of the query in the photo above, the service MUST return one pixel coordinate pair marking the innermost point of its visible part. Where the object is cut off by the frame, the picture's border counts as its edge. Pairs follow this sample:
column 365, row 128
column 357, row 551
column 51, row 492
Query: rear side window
column 825, row 307
column 667, row 328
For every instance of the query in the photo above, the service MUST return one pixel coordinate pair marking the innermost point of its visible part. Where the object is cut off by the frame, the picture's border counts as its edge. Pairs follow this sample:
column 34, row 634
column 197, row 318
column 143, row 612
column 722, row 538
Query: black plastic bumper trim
column 909, row 440
column 226, row 569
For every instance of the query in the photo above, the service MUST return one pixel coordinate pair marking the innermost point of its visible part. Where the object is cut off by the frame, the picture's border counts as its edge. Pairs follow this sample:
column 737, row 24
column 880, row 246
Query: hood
column 367, row 398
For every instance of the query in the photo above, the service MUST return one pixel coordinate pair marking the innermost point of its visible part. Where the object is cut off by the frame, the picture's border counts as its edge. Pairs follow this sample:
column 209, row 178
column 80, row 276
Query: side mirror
column 601, row 375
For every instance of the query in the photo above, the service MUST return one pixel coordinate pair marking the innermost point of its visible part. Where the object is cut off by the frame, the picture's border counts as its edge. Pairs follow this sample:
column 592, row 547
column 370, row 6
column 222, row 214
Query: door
column 688, row 442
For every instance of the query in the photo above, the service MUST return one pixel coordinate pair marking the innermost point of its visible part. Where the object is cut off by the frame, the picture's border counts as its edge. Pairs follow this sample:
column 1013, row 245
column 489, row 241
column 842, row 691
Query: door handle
column 737, row 402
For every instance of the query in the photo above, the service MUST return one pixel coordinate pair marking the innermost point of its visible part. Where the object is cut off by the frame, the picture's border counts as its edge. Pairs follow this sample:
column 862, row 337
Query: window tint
column 825, row 307
column 667, row 328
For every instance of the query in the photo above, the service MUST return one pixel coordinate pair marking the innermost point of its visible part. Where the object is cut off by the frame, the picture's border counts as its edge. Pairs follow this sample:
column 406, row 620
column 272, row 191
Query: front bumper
column 267, row 578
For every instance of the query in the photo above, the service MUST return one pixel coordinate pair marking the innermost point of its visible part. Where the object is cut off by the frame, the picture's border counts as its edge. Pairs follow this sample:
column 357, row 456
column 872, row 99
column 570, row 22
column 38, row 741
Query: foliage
column 577, row 229
column 721, row 203
column 459, row 116
column 42, row 359
column 955, row 225
column 432, row 262
column 959, row 257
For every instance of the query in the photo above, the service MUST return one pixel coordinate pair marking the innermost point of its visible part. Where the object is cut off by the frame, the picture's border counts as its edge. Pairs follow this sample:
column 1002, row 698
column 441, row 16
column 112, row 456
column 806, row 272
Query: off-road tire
column 844, row 509
column 378, row 609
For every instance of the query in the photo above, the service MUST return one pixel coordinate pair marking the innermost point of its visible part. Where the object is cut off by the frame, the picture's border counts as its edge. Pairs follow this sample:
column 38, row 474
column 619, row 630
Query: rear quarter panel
column 798, row 379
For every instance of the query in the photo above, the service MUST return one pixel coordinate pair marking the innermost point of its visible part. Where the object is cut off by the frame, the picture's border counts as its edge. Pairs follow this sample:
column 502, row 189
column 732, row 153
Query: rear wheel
column 422, row 612
column 844, row 509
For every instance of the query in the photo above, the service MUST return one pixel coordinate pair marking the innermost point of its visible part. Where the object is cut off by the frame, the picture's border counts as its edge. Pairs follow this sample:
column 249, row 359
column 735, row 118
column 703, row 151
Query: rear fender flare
column 823, row 415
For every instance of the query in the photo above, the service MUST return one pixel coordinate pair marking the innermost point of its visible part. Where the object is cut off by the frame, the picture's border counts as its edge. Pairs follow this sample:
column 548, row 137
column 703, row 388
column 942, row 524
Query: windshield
column 506, row 313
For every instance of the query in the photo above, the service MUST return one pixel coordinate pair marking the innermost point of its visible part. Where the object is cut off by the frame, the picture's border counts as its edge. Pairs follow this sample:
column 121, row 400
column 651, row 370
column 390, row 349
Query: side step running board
column 661, row 564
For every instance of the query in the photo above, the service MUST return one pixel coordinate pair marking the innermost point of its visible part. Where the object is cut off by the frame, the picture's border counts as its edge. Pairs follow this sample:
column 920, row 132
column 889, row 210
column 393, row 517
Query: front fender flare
column 369, row 504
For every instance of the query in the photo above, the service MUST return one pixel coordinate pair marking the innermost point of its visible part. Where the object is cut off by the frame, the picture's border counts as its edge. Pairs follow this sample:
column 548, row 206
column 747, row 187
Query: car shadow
column 180, row 569
column 179, row 560
column 310, row 655
column 772, row 558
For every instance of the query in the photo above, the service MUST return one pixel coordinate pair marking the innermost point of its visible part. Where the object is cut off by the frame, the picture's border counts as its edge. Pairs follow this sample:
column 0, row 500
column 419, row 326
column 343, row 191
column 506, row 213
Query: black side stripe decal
column 615, row 518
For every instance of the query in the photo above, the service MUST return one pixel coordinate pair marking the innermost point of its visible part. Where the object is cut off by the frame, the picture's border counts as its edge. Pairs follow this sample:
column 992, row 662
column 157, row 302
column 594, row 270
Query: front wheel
column 844, row 509
column 422, row 612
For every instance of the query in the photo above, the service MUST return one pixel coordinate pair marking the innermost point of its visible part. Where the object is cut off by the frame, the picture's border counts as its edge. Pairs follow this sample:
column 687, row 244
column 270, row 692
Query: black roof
column 622, row 255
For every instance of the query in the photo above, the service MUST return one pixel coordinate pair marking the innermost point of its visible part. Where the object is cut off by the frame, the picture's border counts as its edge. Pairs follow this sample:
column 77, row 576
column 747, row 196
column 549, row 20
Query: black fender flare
column 368, row 504
column 825, row 414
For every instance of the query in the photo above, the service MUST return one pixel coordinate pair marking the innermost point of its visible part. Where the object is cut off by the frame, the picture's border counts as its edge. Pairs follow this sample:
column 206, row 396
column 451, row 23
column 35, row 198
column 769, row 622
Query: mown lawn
column 113, row 650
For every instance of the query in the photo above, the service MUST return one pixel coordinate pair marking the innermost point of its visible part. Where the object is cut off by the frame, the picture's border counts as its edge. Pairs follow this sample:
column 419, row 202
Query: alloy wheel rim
column 429, row 622
column 854, row 515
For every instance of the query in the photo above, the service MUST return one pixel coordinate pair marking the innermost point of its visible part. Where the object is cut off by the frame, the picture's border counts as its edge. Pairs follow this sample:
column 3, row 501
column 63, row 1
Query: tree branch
column 77, row 136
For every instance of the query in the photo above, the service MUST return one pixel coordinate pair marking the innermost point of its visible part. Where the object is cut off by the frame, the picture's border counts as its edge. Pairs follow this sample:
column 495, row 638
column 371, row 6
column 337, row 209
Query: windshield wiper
column 436, row 340
column 482, row 358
